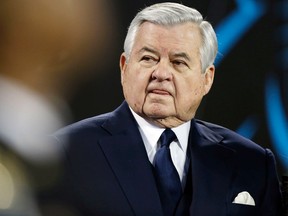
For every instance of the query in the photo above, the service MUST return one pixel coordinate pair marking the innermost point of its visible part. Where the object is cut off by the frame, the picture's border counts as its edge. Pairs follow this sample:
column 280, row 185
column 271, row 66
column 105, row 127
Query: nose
column 162, row 72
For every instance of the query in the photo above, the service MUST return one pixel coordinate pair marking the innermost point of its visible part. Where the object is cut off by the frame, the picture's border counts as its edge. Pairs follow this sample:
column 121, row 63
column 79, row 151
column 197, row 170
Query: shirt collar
column 151, row 133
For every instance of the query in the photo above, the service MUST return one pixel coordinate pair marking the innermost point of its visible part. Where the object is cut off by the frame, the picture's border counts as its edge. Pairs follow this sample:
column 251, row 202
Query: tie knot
column 167, row 137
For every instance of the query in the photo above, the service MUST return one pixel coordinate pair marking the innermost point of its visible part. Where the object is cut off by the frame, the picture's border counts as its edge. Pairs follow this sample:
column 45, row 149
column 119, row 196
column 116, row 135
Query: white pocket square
column 244, row 198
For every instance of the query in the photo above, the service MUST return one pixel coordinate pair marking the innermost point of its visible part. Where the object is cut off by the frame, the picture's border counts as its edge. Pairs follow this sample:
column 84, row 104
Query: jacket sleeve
column 272, row 201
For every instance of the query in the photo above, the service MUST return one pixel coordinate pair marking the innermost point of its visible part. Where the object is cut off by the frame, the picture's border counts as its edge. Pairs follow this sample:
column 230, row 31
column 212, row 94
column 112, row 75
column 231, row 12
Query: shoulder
column 98, row 126
column 229, row 138
column 83, row 127
column 87, row 123
column 246, row 153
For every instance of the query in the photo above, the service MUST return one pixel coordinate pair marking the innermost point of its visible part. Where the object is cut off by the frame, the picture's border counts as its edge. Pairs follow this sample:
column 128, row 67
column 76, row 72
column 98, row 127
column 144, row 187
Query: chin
column 157, row 110
column 157, row 114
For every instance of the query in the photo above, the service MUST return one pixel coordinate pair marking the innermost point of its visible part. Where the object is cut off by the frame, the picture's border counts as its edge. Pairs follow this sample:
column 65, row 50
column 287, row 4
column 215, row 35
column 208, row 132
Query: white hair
column 168, row 14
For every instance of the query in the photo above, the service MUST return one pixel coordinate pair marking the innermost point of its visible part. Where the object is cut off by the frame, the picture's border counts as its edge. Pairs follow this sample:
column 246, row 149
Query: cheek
column 134, row 83
column 188, row 88
column 189, row 95
column 198, row 91
column 134, row 89
column 197, row 87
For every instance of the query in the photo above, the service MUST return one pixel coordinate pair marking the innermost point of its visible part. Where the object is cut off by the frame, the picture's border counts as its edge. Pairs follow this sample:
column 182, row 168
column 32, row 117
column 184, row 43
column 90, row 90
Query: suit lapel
column 127, row 157
column 212, row 171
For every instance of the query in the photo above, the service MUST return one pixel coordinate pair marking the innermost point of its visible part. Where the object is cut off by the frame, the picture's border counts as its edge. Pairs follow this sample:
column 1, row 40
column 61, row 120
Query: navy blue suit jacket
column 108, row 171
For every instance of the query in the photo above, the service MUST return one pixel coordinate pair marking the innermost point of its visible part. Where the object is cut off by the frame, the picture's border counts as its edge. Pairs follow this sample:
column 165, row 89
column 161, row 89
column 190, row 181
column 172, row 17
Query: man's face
column 162, row 79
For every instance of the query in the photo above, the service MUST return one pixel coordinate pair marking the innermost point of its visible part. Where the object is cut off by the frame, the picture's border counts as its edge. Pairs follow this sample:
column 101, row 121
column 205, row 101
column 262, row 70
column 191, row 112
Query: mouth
column 159, row 92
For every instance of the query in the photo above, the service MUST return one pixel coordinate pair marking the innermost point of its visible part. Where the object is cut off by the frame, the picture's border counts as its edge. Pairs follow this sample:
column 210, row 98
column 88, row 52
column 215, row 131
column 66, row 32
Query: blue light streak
column 233, row 27
column 249, row 127
column 277, row 121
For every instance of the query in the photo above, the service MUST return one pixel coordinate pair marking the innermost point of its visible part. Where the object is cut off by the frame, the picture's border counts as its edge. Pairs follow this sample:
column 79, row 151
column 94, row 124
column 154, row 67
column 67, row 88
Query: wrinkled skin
column 162, row 79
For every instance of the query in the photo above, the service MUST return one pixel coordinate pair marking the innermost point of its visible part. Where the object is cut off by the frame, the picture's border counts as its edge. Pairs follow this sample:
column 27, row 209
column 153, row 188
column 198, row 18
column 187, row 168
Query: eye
column 179, row 63
column 148, row 58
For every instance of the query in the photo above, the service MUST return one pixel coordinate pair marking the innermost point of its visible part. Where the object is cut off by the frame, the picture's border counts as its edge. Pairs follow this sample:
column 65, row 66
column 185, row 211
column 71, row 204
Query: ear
column 123, row 65
column 209, row 78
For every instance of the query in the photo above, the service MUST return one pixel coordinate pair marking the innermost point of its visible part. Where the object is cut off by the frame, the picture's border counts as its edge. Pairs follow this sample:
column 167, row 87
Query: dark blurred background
column 250, row 92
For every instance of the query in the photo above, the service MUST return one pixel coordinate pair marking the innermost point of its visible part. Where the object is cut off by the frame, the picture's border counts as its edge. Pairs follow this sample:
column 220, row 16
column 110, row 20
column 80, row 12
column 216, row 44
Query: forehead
column 179, row 38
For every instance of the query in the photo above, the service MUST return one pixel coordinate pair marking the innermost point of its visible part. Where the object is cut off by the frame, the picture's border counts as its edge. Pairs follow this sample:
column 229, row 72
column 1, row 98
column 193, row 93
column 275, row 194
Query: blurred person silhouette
column 151, row 156
column 43, row 46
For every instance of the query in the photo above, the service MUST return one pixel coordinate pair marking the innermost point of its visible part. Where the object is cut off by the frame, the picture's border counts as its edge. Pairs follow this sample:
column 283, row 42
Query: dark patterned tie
column 169, row 184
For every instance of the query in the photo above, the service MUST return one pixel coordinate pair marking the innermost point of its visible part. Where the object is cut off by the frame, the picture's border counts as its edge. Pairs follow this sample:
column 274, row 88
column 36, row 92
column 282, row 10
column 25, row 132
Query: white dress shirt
column 178, row 148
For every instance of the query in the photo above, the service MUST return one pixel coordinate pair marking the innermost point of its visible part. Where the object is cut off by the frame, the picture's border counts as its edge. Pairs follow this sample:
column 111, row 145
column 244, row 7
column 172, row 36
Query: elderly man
column 151, row 156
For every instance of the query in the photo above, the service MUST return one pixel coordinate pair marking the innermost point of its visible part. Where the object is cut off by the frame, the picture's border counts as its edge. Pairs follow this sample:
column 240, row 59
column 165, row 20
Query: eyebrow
column 147, row 49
